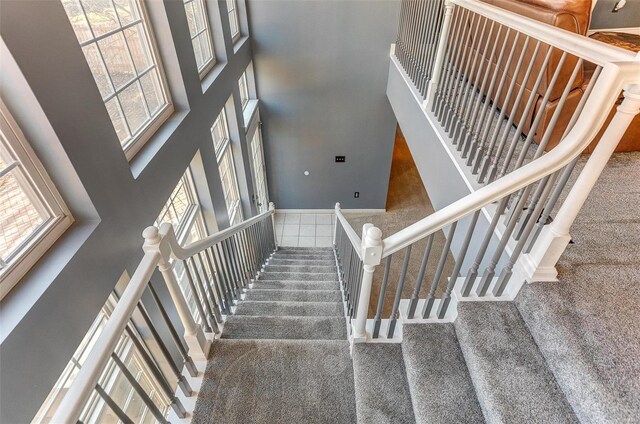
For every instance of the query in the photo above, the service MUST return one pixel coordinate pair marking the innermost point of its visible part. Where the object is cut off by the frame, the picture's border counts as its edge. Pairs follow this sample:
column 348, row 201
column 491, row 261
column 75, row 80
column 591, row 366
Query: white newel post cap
column 372, row 245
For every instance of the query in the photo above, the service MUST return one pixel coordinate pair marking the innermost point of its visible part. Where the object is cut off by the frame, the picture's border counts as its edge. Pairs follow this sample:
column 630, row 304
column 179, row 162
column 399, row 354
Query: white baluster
column 440, row 52
column 555, row 237
column 371, row 257
column 193, row 334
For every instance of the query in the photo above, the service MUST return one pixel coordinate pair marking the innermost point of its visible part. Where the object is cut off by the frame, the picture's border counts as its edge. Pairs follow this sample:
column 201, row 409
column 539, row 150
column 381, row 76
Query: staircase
column 283, row 355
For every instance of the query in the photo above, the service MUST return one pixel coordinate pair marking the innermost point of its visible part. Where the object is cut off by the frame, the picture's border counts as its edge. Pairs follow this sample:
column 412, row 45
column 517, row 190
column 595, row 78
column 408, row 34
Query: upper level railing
column 217, row 268
column 512, row 96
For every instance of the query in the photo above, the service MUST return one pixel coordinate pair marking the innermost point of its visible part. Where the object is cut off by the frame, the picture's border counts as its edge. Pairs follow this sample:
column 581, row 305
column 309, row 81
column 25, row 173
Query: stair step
column 299, row 276
column 284, row 327
column 296, row 285
column 440, row 385
column 294, row 295
column 266, row 308
column 276, row 261
column 284, row 249
column 277, row 381
column 306, row 256
column 301, row 268
column 382, row 390
column 512, row 380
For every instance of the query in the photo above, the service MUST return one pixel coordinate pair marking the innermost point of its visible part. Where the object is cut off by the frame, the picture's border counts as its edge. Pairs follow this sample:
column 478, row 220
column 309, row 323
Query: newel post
column 335, row 228
column 193, row 334
column 272, row 207
column 371, row 257
column 440, row 53
column 555, row 237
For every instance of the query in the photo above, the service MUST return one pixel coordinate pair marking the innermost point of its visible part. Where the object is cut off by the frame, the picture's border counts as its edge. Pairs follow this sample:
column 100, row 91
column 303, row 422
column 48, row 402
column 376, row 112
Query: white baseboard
column 371, row 211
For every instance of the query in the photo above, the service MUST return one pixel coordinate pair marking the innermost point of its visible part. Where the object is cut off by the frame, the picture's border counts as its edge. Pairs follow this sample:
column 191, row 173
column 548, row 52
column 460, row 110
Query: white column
column 272, row 207
column 371, row 257
column 335, row 227
column 440, row 53
column 555, row 237
column 193, row 334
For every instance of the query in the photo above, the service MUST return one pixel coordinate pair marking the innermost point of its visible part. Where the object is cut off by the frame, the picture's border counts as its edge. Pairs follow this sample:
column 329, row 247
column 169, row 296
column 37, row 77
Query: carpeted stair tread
column 284, row 249
column 294, row 295
column 308, row 328
column 301, row 268
column 265, row 308
column 511, row 377
column 277, row 381
column 306, row 257
column 440, row 385
column 382, row 390
column 296, row 285
column 301, row 262
column 299, row 276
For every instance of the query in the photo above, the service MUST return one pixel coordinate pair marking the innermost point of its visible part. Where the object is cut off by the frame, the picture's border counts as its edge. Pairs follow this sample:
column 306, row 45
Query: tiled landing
column 305, row 229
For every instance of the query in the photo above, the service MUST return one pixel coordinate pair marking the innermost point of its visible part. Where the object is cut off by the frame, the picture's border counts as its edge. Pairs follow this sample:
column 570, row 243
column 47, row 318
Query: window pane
column 116, row 57
column 127, row 11
column 19, row 217
column 101, row 15
column 138, row 47
column 98, row 70
column 135, row 111
column 119, row 52
column 200, row 33
column 78, row 20
column 117, row 118
column 152, row 91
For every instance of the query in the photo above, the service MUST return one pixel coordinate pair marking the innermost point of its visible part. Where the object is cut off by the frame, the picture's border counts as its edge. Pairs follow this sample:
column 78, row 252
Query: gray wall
column 627, row 17
column 49, row 89
column 321, row 70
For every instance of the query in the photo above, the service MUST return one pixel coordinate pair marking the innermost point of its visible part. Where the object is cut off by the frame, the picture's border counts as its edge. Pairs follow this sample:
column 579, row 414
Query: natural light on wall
column 32, row 214
column 118, row 44
column 200, row 32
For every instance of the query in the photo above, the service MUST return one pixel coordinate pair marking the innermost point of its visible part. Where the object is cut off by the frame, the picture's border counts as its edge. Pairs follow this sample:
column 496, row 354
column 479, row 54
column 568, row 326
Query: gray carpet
column 511, row 378
column 439, row 381
column 586, row 325
column 261, row 327
column 266, row 308
column 290, row 361
column 273, row 382
column 382, row 390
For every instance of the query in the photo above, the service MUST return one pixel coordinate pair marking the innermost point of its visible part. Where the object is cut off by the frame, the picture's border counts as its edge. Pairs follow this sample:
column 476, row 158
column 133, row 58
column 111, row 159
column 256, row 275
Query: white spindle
column 371, row 257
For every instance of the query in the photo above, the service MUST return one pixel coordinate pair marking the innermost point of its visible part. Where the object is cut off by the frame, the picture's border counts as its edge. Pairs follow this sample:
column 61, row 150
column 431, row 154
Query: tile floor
column 305, row 229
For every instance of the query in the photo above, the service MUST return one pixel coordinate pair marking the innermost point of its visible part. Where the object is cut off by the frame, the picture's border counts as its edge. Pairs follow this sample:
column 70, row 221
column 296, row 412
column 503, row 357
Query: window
column 112, row 380
column 32, row 214
column 183, row 211
column 224, row 156
column 244, row 90
column 119, row 48
column 232, row 8
column 200, row 35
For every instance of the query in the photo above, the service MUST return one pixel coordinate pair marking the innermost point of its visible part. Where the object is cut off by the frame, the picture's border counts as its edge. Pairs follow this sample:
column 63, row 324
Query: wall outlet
column 356, row 194
column 340, row 158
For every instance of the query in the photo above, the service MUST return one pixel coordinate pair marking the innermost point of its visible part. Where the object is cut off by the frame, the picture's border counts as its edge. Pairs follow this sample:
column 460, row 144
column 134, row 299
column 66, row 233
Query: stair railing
column 356, row 259
column 218, row 269
column 467, row 78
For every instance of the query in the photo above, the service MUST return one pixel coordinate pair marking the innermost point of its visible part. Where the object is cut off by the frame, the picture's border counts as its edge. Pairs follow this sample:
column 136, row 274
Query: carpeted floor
column 407, row 203
column 587, row 324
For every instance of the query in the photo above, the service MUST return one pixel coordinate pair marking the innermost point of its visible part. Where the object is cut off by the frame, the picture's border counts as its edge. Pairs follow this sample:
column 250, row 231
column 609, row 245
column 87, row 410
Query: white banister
column 613, row 78
column 156, row 241
column 71, row 406
column 353, row 237
column 440, row 52
column 555, row 238
column 183, row 252
column 371, row 257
